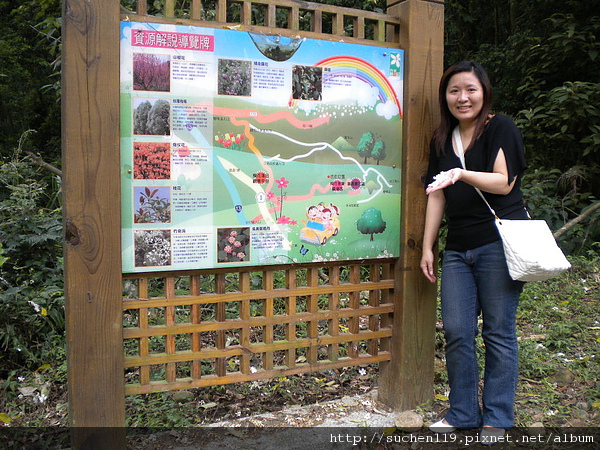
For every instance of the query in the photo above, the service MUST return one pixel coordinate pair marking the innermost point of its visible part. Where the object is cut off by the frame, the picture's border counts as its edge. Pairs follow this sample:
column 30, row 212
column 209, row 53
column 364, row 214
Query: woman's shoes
column 491, row 435
column 441, row 426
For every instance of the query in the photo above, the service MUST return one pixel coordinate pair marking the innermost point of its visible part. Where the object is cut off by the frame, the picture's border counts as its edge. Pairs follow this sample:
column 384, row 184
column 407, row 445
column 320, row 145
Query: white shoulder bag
column 529, row 246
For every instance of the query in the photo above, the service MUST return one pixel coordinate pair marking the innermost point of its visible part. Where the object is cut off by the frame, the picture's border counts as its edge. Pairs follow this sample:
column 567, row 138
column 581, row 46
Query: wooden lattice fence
column 198, row 329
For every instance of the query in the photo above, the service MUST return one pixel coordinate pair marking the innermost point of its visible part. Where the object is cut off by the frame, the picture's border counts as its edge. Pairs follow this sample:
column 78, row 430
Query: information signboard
column 249, row 149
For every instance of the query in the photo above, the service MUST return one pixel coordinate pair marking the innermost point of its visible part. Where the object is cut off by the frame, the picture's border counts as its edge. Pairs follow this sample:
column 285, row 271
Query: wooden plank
column 333, row 324
column 93, row 297
column 221, row 11
column 169, row 9
column 144, row 346
column 260, row 321
column 170, row 370
column 374, row 302
column 246, row 13
column 294, row 18
column 269, row 314
column 142, row 7
column 353, row 324
column 313, row 325
column 195, row 318
column 236, row 350
column 245, row 315
column 316, row 21
column 221, row 362
column 407, row 380
column 212, row 380
column 359, row 27
column 290, row 311
column 315, row 33
column 258, row 294
column 196, row 10
column 271, row 16
column 338, row 24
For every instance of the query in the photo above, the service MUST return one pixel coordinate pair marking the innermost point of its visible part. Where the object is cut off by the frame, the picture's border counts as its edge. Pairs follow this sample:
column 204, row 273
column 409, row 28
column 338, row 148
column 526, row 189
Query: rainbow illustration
column 364, row 71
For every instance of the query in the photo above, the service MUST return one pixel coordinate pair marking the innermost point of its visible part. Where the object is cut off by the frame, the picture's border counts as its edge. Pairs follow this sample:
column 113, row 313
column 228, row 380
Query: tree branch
column 36, row 160
column 571, row 223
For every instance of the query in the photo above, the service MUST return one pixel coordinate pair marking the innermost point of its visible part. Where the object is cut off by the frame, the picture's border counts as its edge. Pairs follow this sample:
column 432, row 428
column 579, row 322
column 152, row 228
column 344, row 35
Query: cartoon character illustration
column 322, row 223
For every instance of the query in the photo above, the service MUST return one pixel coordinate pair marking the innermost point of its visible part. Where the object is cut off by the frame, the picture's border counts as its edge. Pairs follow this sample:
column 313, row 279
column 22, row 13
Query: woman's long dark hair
column 448, row 121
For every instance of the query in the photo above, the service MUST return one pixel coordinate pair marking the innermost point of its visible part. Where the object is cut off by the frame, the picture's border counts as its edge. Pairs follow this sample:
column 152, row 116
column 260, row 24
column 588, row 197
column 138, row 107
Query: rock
column 581, row 414
column 182, row 396
column 536, row 429
column 563, row 376
column 582, row 405
column 408, row 420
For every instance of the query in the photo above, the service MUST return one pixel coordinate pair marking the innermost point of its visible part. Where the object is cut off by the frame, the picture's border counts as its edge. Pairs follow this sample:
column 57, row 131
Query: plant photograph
column 152, row 204
column 152, row 248
column 234, row 77
column 152, row 117
column 233, row 245
column 151, row 160
column 151, row 72
column 307, row 83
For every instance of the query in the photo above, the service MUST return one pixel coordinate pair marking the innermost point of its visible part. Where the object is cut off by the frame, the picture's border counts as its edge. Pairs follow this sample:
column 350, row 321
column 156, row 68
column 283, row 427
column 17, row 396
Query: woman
column 475, row 276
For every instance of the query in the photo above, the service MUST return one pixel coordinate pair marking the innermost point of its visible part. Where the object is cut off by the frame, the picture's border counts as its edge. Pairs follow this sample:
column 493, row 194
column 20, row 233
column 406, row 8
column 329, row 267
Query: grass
column 559, row 333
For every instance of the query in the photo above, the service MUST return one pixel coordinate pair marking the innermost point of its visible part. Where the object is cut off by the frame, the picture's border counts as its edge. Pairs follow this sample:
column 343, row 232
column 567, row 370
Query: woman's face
column 464, row 95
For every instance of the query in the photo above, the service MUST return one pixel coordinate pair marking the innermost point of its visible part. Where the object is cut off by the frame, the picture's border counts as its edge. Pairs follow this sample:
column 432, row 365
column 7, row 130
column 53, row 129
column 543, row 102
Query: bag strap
column 461, row 155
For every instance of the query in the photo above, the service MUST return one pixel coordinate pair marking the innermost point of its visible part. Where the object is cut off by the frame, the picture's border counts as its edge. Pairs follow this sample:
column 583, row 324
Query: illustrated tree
column 378, row 152
column 371, row 222
column 365, row 145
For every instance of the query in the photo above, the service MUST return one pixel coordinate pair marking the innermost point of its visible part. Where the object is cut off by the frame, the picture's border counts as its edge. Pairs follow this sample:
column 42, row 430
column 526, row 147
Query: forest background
column 543, row 57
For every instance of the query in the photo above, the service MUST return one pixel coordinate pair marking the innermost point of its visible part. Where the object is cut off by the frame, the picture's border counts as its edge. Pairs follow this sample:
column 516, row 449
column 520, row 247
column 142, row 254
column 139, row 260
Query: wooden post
column 407, row 380
column 91, row 193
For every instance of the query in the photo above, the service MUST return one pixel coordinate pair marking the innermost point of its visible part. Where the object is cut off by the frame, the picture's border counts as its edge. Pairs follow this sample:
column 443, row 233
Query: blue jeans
column 473, row 282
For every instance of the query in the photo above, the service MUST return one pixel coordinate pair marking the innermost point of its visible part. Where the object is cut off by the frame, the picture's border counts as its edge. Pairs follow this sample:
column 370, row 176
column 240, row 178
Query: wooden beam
column 91, row 195
column 407, row 380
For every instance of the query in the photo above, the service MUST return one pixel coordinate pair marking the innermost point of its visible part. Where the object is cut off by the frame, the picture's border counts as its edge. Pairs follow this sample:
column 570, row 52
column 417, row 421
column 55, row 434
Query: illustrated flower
column 395, row 59
column 285, row 220
column 282, row 183
column 270, row 196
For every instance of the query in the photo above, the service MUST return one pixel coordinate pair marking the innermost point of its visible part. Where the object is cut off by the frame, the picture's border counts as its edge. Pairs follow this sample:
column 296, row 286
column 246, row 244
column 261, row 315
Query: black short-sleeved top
column 470, row 222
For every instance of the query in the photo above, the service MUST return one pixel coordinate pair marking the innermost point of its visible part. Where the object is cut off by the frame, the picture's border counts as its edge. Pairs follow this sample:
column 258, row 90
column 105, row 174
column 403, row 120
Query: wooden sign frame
column 93, row 276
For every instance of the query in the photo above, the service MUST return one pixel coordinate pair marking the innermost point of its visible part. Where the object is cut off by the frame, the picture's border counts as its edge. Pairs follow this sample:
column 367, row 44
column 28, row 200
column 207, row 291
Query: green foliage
column 31, row 293
column 29, row 49
column 558, row 321
column 557, row 196
column 563, row 125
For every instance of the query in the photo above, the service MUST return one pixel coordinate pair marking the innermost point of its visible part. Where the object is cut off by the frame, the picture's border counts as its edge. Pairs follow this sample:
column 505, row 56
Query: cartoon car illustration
column 317, row 232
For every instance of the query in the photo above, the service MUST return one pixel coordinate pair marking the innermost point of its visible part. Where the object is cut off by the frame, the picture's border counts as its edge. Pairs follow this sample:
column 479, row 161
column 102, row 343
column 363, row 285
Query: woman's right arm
column 436, row 203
